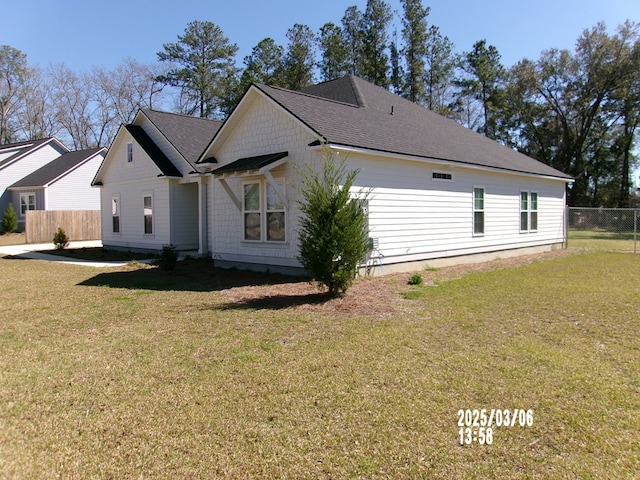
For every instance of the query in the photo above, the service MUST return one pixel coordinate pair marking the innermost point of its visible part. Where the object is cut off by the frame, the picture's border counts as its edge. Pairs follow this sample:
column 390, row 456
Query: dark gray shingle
column 355, row 113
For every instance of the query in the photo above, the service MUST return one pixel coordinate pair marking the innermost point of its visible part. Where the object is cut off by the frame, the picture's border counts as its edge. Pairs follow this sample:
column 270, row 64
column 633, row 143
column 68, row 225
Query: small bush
column 60, row 239
column 9, row 219
column 415, row 279
column 168, row 257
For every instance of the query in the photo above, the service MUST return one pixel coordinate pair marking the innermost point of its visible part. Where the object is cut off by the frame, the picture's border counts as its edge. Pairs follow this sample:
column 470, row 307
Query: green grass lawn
column 603, row 240
column 140, row 373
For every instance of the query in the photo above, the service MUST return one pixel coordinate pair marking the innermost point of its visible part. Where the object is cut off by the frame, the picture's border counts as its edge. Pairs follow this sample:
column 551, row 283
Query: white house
column 61, row 184
column 152, row 194
column 438, row 190
column 17, row 160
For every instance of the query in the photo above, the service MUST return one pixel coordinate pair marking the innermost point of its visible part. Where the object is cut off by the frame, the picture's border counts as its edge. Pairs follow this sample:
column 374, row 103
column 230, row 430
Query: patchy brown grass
column 12, row 239
column 200, row 373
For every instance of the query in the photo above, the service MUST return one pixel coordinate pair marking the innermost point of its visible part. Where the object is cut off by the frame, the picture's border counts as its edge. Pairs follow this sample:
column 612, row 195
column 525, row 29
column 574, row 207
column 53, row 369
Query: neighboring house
column 62, row 184
column 437, row 189
column 152, row 194
column 17, row 160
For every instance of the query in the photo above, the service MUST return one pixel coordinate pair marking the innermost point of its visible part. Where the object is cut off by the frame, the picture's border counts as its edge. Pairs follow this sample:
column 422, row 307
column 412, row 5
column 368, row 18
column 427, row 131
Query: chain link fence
column 604, row 228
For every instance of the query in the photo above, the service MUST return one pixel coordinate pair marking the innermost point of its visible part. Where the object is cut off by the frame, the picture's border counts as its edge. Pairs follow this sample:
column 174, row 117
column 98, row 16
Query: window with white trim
column 528, row 211
column 478, row 211
column 147, row 208
column 115, row 214
column 263, row 212
column 129, row 152
column 27, row 202
column 533, row 205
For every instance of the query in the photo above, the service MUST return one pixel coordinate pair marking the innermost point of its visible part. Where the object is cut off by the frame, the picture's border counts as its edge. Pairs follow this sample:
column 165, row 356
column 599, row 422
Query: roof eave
column 441, row 161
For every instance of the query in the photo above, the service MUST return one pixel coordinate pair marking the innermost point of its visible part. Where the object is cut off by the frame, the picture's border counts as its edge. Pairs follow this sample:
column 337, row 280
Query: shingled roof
column 24, row 148
column 54, row 169
column 352, row 112
column 189, row 135
column 157, row 156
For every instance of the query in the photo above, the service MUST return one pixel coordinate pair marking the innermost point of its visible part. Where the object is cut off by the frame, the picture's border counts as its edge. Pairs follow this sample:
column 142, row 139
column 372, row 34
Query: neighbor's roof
column 189, row 135
column 158, row 156
column 352, row 112
column 24, row 148
column 54, row 169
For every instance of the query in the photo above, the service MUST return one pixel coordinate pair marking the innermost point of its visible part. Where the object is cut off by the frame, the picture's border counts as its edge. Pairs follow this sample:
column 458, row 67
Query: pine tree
column 9, row 219
column 375, row 60
column 414, row 34
column 202, row 59
column 333, row 233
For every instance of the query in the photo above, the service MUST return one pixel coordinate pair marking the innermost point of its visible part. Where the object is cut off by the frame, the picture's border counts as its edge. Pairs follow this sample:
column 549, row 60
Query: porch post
column 202, row 217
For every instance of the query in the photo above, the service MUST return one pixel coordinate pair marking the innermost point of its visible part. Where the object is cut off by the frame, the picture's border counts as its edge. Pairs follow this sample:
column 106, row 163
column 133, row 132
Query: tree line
column 577, row 111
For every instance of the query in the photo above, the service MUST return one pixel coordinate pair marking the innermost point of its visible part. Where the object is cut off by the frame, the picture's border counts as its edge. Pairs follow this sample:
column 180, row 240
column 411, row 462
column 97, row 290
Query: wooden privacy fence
column 41, row 225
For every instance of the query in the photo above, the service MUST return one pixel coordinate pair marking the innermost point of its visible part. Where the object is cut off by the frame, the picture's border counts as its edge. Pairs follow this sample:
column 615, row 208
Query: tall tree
column 130, row 86
column 13, row 76
column 300, row 57
column 484, row 82
column 414, row 34
column 375, row 60
column 353, row 35
column 571, row 112
column 265, row 64
column 334, row 51
column 202, row 59
column 440, row 65
column 75, row 109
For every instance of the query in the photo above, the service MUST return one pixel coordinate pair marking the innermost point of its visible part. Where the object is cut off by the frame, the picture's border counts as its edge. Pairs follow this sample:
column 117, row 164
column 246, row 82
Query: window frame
column 266, row 210
column 129, row 152
column 478, row 211
column 524, row 211
column 528, row 211
column 28, row 204
column 115, row 201
column 146, row 215
column 533, row 211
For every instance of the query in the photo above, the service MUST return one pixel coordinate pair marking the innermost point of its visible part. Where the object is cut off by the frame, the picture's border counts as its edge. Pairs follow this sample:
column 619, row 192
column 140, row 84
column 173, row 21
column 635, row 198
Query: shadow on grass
column 275, row 302
column 192, row 275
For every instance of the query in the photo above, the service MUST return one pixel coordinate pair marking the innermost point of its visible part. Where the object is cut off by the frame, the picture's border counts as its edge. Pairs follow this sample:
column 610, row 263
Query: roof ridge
column 184, row 115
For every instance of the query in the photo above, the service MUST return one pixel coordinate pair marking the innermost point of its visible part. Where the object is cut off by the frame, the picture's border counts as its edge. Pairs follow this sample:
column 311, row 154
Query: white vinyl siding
column 415, row 218
column 73, row 191
column 11, row 173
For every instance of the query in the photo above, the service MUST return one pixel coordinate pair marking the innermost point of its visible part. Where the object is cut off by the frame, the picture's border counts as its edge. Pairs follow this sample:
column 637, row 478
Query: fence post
column 635, row 229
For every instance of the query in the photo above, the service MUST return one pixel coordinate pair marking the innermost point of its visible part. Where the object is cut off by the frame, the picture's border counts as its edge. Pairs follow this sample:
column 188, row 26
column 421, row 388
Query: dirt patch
column 368, row 296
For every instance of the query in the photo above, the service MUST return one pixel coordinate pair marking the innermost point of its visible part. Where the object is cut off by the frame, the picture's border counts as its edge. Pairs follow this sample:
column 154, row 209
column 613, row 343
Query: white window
column 533, row 205
column 115, row 214
column 524, row 211
column 528, row 211
column 478, row 211
column 442, row 176
column 129, row 152
column 147, row 204
column 263, row 212
column 27, row 202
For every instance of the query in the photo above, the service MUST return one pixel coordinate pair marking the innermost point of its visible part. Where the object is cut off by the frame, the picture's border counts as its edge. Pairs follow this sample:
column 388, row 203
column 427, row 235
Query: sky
column 91, row 33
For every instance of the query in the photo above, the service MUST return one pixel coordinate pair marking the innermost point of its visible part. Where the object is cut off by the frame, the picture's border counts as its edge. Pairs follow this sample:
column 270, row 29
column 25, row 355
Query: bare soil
column 379, row 296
